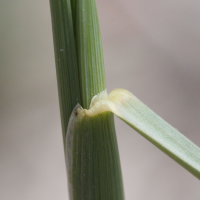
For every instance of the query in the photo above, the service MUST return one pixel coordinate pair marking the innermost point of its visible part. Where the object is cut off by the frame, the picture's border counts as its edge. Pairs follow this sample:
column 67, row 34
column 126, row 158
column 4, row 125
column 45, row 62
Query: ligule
column 151, row 126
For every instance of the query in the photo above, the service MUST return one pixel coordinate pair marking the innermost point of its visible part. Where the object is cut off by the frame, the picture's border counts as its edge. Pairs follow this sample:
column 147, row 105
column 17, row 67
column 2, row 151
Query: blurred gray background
column 151, row 48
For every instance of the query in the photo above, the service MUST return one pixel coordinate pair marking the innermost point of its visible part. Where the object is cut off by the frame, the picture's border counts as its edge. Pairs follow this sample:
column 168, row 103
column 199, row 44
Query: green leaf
column 65, row 58
column 132, row 111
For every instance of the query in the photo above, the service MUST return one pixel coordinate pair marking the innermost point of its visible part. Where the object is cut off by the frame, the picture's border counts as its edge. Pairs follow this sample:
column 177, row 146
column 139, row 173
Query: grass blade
column 65, row 58
column 132, row 111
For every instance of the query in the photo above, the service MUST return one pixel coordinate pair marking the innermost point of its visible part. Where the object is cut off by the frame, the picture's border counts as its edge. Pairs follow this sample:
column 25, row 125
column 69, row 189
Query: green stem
column 95, row 172
column 89, row 51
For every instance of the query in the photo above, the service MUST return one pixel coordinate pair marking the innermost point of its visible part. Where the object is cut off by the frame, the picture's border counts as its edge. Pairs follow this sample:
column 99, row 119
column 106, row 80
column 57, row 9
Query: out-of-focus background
column 151, row 48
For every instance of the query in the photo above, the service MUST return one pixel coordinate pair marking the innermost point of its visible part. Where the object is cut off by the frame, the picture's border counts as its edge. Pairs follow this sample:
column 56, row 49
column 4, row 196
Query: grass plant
column 91, row 150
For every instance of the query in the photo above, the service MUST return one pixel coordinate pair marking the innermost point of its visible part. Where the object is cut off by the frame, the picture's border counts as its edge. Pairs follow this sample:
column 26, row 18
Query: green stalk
column 89, row 50
column 92, row 156
column 95, row 170
column 93, row 163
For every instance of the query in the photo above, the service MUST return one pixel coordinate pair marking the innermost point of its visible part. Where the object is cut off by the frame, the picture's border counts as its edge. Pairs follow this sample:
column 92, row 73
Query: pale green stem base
column 94, row 170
